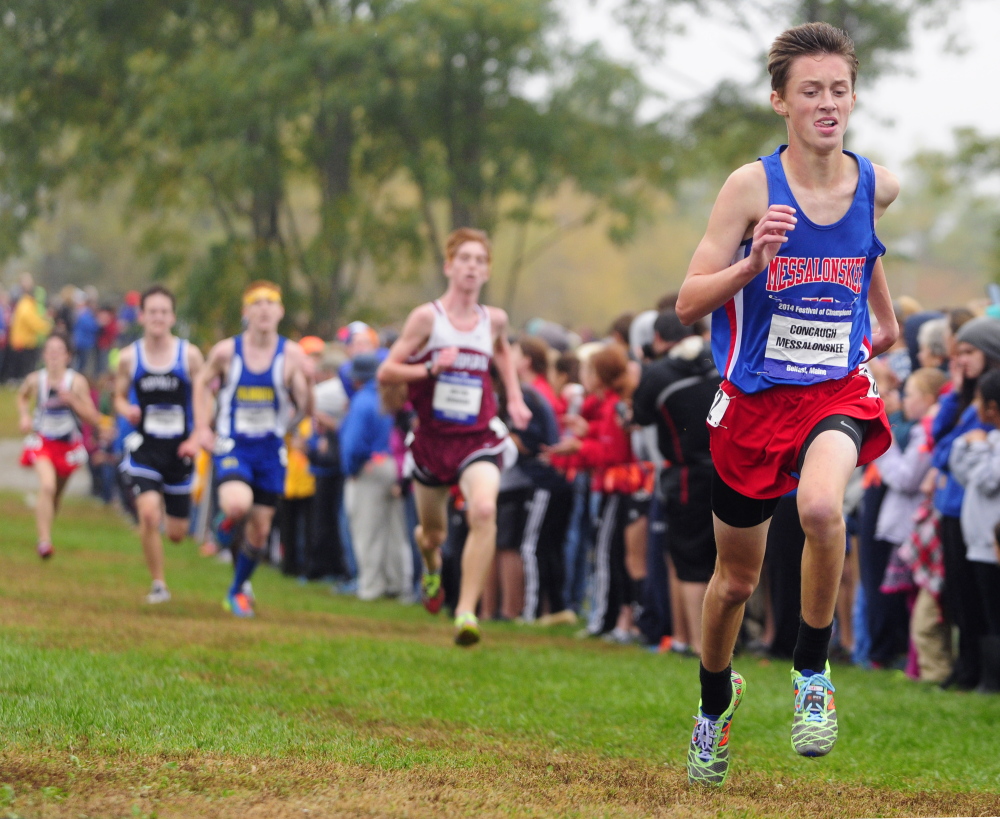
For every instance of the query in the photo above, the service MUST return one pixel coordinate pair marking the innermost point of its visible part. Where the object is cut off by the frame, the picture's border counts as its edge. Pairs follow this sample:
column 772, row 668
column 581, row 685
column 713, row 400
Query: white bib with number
column 458, row 397
column 255, row 421
column 163, row 421
column 809, row 341
column 57, row 424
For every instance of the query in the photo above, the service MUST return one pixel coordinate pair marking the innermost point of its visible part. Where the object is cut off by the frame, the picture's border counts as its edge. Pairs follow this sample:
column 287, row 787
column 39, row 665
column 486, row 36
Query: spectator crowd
column 606, row 518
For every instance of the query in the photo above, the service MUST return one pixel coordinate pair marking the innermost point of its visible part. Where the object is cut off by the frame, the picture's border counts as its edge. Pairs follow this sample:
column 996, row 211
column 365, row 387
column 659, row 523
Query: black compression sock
column 812, row 648
column 716, row 690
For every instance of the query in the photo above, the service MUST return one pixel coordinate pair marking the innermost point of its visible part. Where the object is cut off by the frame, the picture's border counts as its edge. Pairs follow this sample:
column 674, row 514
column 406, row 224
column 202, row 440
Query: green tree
column 404, row 118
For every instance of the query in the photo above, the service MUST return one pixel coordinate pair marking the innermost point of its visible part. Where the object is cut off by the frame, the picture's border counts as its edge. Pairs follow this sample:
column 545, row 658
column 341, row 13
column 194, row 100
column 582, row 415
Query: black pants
column 961, row 601
column 542, row 550
column 610, row 580
column 988, row 582
column 783, row 563
column 326, row 553
column 888, row 618
column 295, row 521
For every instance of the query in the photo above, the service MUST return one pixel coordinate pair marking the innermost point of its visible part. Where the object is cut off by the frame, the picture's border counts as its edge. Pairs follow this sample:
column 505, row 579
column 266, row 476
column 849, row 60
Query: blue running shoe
column 239, row 604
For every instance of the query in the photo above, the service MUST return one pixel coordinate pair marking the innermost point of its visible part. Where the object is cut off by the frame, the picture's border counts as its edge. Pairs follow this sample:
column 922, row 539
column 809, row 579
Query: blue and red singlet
column 791, row 344
column 804, row 319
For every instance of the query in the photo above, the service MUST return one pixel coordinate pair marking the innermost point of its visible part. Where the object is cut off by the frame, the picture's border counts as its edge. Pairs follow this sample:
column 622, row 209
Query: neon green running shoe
column 432, row 592
column 466, row 629
column 814, row 724
column 708, row 754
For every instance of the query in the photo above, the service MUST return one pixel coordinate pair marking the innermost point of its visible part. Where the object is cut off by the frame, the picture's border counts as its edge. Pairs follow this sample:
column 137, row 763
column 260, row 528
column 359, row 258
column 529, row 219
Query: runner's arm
column 299, row 382
column 82, row 403
column 713, row 277
column 517, row 410
column 881, row 303
column 416, row 332
column 188, row 448
column 25, row 394
column 123, row 381
column 202, row 395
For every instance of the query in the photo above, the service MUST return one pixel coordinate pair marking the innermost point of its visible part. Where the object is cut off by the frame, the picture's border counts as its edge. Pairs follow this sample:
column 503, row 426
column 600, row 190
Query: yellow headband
column 262, row 292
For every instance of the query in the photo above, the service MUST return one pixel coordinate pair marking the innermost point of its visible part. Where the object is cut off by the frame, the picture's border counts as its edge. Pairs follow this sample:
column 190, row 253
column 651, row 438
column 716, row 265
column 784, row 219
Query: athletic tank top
column 164, row 396
column 53, row 417
column 254, row 407
column 804, row 319
column 460, row 399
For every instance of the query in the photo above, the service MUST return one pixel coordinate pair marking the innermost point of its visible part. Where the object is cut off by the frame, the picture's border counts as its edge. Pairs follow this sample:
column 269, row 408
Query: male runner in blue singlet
column 153, row 393
column 265, row 390
column 789, row 266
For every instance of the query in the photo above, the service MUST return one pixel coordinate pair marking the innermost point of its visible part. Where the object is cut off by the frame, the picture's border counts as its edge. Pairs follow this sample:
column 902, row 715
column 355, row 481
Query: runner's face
column 55, row 355
column 970, row 359
column 469, row 268
column 157, row 316
column 264, row 315
column 817, row 99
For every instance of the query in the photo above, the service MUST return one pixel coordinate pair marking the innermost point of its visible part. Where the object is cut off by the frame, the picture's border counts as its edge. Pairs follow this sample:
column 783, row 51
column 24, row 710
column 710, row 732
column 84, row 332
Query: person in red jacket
column 602, row 445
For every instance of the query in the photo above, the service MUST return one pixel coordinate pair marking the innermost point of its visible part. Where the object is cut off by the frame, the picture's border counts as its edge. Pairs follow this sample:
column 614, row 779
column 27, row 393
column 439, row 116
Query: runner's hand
column 205, row 439
column 189, row 447
column 133, row 414
column 519, row 414
column 444, row 359
column 25, row 424
column 770, row 234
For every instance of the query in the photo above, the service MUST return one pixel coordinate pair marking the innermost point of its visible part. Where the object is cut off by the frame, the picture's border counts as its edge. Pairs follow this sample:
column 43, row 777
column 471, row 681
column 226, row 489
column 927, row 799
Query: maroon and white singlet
column 457, row 410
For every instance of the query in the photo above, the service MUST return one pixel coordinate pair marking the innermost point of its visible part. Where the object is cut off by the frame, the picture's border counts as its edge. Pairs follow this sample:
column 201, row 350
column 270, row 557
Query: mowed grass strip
column 109, row 707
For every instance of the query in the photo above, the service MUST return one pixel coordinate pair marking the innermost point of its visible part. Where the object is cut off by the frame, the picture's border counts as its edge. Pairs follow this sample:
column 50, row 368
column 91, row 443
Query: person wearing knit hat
column 983, row 334
column 977, row 351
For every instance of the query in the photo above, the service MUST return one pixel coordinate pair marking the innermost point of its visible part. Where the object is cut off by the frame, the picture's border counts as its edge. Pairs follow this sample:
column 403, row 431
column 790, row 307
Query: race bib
column 57, row 425
column 77, row 456
column 164, row 421
column 458, row 398
column 809, row 341
column 255, row 422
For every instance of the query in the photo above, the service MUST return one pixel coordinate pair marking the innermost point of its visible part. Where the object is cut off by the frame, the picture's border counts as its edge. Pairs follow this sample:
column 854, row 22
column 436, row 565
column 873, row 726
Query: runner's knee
column 430, row 537
column 481, row 512
column 149, row 516
column 821, row 516
column 176, row 533
column 733, row 588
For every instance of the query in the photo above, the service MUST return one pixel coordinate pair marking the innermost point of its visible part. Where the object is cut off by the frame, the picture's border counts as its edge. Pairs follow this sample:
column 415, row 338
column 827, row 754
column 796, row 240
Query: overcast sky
column 938, row 91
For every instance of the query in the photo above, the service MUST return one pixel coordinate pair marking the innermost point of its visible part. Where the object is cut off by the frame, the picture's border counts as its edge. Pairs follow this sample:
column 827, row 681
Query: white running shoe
column 158, row 594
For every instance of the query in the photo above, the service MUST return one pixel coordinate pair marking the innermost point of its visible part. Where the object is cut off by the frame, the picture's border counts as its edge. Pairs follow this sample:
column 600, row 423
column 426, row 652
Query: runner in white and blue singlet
column 790, row 265
column 153, row 394
column 265, row 389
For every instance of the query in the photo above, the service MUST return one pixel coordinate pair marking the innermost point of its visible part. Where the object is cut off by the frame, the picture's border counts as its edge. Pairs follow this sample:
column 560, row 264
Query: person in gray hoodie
column 975, row 463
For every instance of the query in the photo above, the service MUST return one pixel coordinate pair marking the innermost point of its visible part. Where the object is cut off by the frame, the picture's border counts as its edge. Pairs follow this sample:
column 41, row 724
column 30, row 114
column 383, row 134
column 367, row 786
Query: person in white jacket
column 975, row 463
column 902, row 469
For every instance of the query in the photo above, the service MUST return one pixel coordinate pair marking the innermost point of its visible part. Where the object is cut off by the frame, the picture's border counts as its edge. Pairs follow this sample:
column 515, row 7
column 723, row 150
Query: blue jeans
column 579, row 540
column 345, row 542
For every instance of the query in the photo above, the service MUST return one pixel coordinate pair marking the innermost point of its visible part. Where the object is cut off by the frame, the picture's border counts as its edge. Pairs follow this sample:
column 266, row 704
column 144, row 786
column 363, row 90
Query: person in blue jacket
column 977, row 351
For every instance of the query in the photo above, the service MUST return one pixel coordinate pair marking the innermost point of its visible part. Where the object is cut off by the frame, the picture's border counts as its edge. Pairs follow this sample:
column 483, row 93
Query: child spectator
column 975, row 463
column 902, row 469
column 603, row 446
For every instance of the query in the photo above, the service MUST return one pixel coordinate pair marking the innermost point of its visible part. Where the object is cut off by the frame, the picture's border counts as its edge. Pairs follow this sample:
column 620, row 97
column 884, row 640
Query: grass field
column 326, row 706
